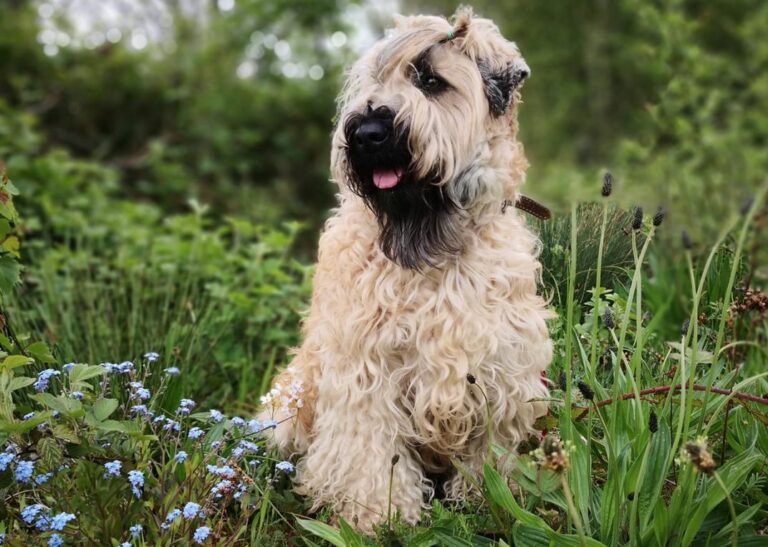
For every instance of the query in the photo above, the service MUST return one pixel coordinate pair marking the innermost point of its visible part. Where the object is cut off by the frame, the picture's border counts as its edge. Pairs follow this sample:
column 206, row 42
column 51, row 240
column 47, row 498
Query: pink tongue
column 387, row 179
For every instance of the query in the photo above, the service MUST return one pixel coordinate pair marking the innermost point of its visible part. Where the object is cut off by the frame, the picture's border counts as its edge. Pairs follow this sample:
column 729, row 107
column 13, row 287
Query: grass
column 656, row 428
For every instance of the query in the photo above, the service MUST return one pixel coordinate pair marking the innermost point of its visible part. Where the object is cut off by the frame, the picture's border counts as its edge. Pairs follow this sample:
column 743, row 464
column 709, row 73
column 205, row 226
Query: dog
column 425, row 332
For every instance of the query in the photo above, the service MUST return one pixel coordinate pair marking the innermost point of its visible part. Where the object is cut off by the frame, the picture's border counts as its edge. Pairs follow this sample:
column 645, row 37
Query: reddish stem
column 664, row 389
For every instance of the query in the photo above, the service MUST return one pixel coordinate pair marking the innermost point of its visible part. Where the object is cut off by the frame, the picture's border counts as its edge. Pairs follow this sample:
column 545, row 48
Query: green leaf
column 66, row 405
column 744, row 517
column 120, row 427
column 579, row 479
column 499, row 493
column 529, row 537
column 50, row 451
column 733, row 474
column 41, row 352
column 103, row 408
column 656, row 472
column 79, row 373
column 10, row 273
column 446, row 538
column 6, row 343
column 660, row 522
column 22, row 426
column 322, row 530
column 350, row 537
column 11, row 244
column 5, row 228
column 64, row 433
column 20, row 382
column 525, row 536
column 13, row 361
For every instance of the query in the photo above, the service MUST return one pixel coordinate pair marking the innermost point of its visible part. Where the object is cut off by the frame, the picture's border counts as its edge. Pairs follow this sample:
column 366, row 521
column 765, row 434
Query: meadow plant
column 655, row 435
column 150, row 476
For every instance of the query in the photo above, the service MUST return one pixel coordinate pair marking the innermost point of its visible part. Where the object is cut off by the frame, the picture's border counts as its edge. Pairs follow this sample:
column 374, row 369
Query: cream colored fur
column 383, row 367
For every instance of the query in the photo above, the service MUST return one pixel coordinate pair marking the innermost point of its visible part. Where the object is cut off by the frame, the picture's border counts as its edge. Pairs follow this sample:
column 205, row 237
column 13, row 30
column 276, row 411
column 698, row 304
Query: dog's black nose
column 372, row 133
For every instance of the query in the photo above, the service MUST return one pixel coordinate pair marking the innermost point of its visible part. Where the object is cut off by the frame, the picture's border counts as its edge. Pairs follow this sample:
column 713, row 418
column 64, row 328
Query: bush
column 113, row 277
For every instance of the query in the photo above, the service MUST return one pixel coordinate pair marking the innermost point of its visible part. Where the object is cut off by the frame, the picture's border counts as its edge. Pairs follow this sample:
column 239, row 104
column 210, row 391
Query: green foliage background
column 168, row 204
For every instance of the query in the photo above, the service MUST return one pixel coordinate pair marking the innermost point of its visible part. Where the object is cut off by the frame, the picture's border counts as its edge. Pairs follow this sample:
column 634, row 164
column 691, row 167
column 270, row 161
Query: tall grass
column 656, row 435
column 647, row 456
column 221, row 303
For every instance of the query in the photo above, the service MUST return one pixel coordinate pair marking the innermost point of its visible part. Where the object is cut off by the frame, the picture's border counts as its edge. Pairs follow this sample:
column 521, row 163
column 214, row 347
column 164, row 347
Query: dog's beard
column 417, row 218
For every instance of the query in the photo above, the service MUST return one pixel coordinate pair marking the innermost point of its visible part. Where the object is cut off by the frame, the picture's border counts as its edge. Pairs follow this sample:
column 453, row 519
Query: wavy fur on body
column 382, row 371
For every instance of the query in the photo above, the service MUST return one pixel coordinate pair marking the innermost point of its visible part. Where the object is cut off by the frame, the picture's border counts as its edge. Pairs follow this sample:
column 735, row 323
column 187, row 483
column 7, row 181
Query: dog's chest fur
column 421, row 333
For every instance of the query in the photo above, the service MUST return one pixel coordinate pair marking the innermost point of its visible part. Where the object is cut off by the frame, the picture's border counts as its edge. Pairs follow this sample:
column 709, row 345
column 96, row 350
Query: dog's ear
column 501, row 84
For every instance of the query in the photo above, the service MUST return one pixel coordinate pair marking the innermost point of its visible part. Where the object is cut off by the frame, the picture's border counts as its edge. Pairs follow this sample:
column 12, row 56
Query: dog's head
column 426, row 131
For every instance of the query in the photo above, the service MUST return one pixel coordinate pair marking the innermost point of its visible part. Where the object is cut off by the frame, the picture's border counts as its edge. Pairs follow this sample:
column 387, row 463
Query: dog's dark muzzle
column 372, row 132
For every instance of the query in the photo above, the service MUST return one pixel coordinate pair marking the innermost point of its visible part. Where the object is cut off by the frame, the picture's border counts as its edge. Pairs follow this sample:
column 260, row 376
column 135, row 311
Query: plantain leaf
column 322, row 530
column 733, row 474
column 350, row 537
column 499, row 493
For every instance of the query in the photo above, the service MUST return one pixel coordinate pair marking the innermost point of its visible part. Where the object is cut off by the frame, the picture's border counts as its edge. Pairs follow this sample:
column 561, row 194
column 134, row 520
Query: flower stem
column 572, row 510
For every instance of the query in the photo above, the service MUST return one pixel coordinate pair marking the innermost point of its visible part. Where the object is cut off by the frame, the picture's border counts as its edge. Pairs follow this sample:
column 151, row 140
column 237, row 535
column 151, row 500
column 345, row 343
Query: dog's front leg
column 357, row 444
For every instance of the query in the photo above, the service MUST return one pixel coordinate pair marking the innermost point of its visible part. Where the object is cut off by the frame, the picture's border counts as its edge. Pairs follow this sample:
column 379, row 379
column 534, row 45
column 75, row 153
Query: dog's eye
column 430, row 83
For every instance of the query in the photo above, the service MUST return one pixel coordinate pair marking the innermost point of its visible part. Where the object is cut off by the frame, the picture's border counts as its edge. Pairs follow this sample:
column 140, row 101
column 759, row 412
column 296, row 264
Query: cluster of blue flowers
column 201, row 534
column 126, row 367
column 40, row 516
column 113, row 468
column 24, row 470
column 136, row 478
column 138, row 391
column 285, row 466
column 8, row 456
column 229, row 481
column 195, row 433
column 185, row 407
column 43, row 378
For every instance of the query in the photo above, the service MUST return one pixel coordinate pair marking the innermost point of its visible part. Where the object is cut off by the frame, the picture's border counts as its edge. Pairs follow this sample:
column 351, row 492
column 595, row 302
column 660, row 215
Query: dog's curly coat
column 422, row 279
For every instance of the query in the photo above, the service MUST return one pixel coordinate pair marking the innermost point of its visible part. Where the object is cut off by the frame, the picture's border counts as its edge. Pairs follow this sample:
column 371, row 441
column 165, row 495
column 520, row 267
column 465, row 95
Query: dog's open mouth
column 384, row 179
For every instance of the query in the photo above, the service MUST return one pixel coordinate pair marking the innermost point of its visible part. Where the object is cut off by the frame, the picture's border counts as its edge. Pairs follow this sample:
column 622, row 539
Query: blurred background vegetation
column 233, row 101
column 165, row 149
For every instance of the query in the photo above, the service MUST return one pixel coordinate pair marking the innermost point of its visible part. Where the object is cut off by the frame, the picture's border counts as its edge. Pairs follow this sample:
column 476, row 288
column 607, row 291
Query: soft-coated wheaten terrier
column 425, row 283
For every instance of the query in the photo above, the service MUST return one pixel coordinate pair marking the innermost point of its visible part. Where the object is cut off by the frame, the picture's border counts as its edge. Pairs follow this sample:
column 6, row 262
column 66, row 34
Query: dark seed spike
column 586, row 391
column 658, row 218
column 653, row 422
column 684, row 327
column 561, row 381
column 607, row 184
column 637, row 219
column 608, row 319
column 686, row 239
column 395, row 459
column 746, row 205
column 471, row 379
